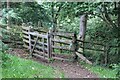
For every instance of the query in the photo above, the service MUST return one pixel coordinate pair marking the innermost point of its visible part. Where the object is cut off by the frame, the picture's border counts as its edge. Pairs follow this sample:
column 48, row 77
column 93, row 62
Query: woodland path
column 70, row 69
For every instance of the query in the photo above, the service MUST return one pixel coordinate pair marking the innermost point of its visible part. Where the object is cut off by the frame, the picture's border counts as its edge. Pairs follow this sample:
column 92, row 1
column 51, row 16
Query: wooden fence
column 44, row 44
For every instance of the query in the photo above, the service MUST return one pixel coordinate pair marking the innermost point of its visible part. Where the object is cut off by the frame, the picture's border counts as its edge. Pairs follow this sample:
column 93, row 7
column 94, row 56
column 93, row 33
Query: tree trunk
column 0, row 10
column 83, row 23
column 53, row 18
column 8, row 17
column 118, row 30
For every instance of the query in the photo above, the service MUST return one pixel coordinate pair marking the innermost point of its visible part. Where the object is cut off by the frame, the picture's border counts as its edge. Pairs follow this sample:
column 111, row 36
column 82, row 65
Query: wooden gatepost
column 74, row 44
column 49, row 44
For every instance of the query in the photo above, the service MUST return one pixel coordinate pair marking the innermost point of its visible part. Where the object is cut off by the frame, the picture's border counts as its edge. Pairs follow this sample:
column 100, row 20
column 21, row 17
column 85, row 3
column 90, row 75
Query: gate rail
column 43, row 44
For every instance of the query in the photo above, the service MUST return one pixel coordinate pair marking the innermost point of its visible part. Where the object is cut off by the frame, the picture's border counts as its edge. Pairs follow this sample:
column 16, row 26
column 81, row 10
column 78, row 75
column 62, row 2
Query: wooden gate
column 63, row 45
column 44, row 44
column 37, row 44
column 55, row 45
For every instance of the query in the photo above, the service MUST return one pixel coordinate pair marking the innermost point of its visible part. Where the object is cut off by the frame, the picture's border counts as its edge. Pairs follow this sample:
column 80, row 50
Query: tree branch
column 107, row 17
column 103, row 17
column 56, row 16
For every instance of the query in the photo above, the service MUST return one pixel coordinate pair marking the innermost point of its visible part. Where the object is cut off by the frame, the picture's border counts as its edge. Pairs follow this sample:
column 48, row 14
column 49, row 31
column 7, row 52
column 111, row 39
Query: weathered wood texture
column 41, row 44
column 36, row 42
column 34, row 45
column 30, row 48
column 49, row 45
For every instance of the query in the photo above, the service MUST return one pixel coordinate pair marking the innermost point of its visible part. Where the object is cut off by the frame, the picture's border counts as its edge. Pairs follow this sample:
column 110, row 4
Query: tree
column 53, row 14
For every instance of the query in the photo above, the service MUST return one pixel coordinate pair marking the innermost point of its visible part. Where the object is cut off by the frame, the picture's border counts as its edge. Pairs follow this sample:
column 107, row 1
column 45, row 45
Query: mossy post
column 49, row 44
column 74, row 42
column 83, row 25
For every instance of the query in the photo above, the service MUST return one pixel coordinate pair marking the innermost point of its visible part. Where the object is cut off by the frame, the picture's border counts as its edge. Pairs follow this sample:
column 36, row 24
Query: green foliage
column 22, row 68
column 3, row 47
column 3, row 33
column 116, row 67
column 3, row 36
column 8, row 14
column 5, row 59
column 3, row 21
column 99, row 32
column 69, row 26
column 16, row 33
column 102, row 26
column 101, row 71
column 118, row 71
column 33, row 12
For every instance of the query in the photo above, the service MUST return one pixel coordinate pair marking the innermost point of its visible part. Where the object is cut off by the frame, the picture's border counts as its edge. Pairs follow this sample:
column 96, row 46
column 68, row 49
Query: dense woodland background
column 103, row 24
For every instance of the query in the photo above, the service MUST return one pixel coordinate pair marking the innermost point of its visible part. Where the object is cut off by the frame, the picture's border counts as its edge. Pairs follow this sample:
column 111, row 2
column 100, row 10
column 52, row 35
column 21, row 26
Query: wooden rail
column 92, row 49
column 63, row 34
column 47, row 42
column 62, row 47
column 33, row 42
column 62, row 41
column 90, row 42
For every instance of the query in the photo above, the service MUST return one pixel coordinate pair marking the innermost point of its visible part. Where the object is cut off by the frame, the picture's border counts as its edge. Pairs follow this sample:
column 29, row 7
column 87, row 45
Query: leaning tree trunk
column 83, row 25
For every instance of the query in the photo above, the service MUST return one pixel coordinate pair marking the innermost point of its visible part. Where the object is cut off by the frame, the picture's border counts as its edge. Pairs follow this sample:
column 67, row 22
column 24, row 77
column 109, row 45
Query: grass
column 23, row 68
column 0, row 72
column 102, row 72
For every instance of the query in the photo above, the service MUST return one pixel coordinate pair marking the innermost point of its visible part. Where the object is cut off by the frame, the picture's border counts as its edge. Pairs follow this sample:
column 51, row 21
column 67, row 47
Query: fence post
column 74, row 42
column 49, row 44
column 43, row 45
column 39, row 24
column 23, row 25
column 60, row 45
column 30, row 47
column 106, row 51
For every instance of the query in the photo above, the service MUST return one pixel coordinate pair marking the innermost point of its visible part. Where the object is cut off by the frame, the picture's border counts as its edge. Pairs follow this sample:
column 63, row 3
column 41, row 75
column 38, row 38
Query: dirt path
column 70, row 69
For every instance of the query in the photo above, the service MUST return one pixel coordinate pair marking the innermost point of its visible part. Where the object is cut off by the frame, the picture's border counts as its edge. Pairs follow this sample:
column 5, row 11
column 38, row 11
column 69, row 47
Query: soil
column 70, row 69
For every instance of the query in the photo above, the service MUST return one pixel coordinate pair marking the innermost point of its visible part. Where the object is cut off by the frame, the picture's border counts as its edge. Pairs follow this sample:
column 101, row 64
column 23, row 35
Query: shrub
column 118, row 70
column 116, row 67
column 3, row 48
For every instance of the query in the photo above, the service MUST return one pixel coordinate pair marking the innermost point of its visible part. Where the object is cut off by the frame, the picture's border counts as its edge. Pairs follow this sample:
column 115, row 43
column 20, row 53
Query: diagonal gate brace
column 34, row 45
